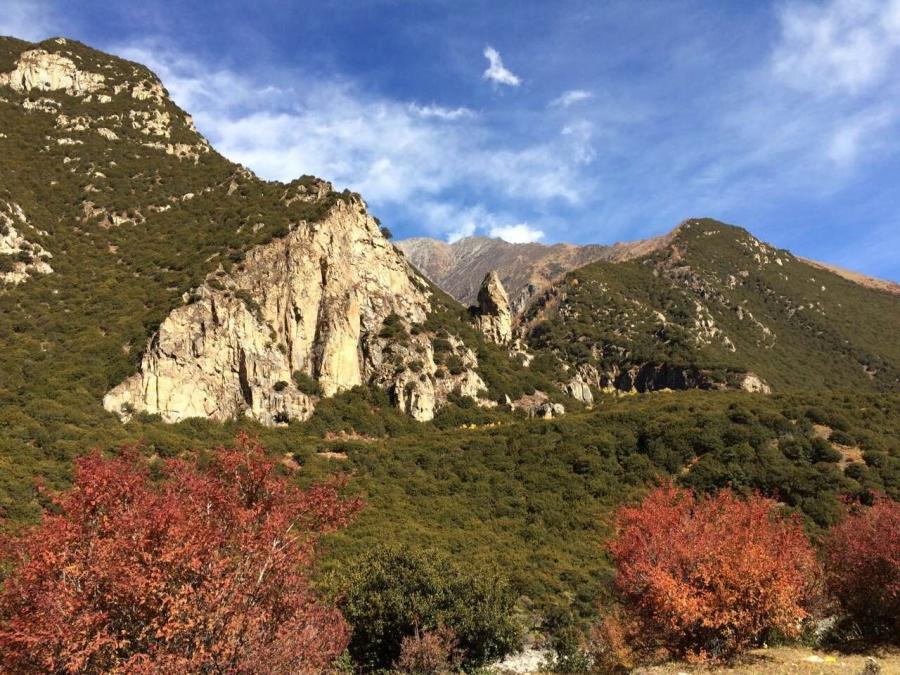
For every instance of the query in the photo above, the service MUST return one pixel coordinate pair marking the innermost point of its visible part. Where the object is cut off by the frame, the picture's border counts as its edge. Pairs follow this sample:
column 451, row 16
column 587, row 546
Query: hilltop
column 711, row 306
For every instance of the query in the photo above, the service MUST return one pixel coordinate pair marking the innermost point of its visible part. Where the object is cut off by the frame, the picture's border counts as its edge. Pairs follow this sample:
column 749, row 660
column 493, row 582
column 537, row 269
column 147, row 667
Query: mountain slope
column 117, row 214
column 136, row 255
column 524, row 269
column 711, row 305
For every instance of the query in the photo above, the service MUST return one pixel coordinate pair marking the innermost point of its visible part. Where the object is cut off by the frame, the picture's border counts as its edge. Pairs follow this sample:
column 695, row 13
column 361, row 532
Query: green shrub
column 841, row 438
column 822, row 451
column 307, row 384
column 393, row 592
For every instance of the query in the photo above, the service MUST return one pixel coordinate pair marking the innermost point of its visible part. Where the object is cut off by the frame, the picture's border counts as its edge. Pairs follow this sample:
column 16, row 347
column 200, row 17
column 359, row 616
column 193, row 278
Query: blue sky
column 550, row 121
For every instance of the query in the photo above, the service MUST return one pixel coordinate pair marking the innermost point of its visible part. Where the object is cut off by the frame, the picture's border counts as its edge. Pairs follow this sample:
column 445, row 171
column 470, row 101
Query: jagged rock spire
column 494, row 317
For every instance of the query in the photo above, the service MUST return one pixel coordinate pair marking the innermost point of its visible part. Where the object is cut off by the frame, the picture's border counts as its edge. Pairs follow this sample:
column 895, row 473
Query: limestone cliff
column 493, row 314
column 41, row 70
column 332, row 301
column 19, row 257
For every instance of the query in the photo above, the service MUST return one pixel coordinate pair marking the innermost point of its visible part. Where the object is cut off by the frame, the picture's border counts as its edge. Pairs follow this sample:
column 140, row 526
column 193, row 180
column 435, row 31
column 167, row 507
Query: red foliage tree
column 204, row 570
column 862, row 565
column 707, row 576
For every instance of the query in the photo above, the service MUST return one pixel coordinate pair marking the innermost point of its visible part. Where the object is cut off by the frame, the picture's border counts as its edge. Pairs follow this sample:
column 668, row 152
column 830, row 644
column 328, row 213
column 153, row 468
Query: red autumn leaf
column 205, row 570
column 707, row 576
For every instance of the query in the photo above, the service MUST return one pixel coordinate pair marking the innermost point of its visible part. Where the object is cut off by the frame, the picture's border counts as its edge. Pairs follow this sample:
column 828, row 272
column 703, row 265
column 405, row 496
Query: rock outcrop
column 41, row 70
column 19, row 257
column 657, row 376
column 332, row 302
column 580, row 390
column 538, row 405
column 493, row 314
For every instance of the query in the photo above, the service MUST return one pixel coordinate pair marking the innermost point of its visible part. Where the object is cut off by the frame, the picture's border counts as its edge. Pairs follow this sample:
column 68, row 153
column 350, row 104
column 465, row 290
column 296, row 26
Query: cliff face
column 331, row 302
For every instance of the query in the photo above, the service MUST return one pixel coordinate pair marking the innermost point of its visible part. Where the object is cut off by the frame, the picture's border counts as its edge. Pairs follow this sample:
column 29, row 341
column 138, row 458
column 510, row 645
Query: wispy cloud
column 496, row 71
column 27, row 19
column 467, row 229
column 842, row 46
column 517, row 234
column 441, row 112
column 570, row 97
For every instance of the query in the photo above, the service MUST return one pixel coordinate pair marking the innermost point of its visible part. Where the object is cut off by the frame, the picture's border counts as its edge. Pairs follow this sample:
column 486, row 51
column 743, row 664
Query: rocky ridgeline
column 332, row 305
column 131, row 100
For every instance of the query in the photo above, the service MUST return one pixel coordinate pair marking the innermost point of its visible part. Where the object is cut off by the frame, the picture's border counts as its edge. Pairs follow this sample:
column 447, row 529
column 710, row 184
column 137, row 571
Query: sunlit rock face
column 494, row 316
column 39, row 70
column 313, row 303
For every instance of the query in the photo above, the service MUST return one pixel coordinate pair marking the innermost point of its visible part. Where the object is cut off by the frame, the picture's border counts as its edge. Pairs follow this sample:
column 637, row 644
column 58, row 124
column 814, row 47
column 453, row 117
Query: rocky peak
column 526, row 269
column 493, row 315
column 330, row 306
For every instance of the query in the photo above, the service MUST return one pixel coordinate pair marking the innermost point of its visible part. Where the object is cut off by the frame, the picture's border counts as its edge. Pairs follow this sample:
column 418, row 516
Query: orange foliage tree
column 205, row 570
column 705, row 577
column 862, row 565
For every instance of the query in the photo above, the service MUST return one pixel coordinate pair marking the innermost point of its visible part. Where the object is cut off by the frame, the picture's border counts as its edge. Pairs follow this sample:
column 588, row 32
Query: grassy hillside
column 719, row 299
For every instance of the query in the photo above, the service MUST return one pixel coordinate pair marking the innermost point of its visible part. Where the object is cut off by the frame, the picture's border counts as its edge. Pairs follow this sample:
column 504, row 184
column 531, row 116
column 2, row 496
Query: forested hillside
column 716, row 303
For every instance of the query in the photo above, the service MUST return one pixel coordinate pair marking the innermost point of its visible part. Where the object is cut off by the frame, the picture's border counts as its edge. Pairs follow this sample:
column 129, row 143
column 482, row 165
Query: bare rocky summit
column 524, row 269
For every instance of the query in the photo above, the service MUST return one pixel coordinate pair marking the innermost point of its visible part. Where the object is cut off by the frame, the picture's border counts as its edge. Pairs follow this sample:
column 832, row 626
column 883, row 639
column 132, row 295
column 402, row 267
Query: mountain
column 140, row 267
column 157, row 297
column 711, row 307
column 524, row 269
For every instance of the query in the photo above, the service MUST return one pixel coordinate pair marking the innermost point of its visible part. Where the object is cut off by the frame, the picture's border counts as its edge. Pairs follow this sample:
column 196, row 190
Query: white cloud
column 398, row 155
column 441, row 112
column 570, row 97
column 841, row 46
column 467, row 229
column 517, row 234
column 580, row 134
column 27, row 19
column 851, row 137
column 496, row 71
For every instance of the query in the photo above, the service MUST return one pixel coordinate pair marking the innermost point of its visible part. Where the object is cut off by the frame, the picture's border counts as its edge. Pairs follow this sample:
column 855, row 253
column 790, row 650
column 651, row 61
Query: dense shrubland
column 205, row 562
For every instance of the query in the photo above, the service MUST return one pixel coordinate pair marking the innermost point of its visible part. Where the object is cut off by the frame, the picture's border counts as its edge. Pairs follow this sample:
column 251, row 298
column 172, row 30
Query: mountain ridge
column 217, row 295
column 525, row 269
